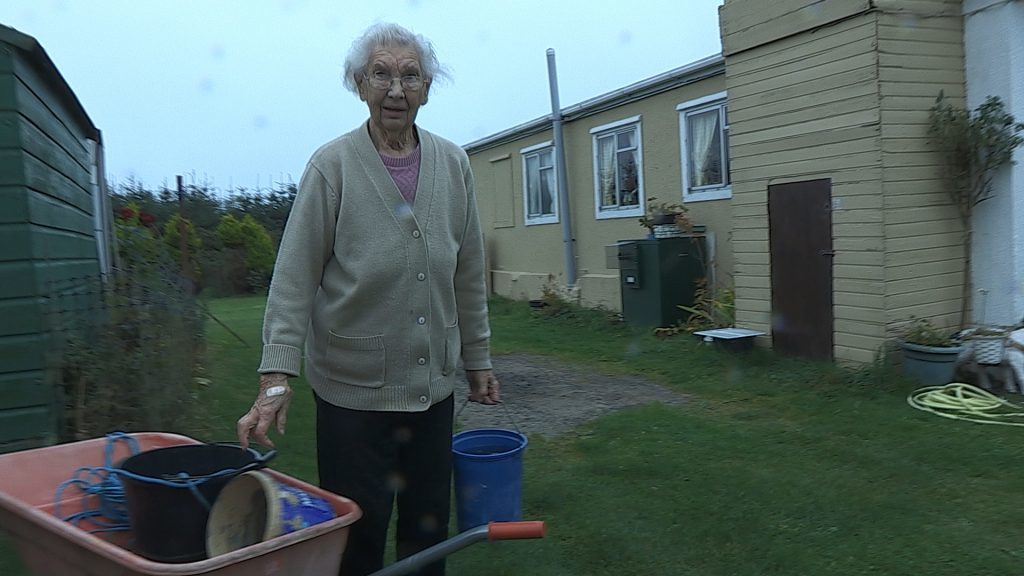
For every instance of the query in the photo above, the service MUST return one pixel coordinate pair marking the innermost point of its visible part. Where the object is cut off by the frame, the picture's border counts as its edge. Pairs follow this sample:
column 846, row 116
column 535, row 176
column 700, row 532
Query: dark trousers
column 371, row 457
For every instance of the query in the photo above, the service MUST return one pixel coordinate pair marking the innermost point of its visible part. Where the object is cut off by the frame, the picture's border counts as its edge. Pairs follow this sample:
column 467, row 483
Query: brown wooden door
column 800, row 239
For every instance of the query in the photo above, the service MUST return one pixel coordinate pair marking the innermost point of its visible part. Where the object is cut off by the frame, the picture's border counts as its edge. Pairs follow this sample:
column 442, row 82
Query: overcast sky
column 241, row 92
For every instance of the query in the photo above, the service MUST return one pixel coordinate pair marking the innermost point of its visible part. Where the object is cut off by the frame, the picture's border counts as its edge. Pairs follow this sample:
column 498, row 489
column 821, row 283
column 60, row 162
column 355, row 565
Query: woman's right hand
column 271, row 406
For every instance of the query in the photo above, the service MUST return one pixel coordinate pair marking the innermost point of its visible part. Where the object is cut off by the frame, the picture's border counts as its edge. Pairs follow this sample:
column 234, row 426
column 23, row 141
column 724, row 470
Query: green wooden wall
column 46, row 230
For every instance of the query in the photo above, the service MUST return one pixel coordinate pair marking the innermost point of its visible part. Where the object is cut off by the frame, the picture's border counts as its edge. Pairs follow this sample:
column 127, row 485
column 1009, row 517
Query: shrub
column 250, row 253
column 710, row 309
column 129, row 352
column 922, row 331
column 128, row 347
column 974, row 146
column 172, row 240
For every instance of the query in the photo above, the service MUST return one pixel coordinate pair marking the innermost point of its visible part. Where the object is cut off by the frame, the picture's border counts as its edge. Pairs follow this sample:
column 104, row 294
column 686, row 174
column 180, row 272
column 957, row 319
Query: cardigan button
column 423, row 399
column 421, row 320
column 421, row 361
column 415, row 233
column 421, row 276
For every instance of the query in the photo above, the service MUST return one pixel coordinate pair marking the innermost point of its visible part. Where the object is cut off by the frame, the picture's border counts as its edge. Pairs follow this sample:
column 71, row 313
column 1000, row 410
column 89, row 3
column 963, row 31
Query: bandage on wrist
column 276, row 391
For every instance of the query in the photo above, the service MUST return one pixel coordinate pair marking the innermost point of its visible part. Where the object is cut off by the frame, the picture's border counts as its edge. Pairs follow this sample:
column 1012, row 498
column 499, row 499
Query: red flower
column 126, row 213
column 146, row 218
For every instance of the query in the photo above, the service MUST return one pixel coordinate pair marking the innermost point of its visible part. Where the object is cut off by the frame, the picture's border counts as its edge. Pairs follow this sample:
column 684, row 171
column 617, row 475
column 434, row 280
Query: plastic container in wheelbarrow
column 50, row 546
column 169, row 493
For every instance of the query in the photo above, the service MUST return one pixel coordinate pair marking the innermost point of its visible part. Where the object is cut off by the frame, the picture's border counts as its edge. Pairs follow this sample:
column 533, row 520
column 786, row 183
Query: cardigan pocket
column 452, row 348
column 356, row 360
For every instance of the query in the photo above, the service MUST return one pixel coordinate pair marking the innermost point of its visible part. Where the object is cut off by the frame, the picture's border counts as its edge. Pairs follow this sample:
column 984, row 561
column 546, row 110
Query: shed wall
column 46, row 234
column 804, row 106
column 921, row 53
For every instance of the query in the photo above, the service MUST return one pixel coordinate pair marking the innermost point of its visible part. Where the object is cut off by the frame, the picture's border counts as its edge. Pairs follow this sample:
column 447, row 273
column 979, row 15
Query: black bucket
column 169, row 491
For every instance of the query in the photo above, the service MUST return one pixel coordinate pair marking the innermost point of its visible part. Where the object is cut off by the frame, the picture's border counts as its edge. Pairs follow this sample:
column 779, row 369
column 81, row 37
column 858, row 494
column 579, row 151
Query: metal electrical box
column 629, row 265
column 658, row 275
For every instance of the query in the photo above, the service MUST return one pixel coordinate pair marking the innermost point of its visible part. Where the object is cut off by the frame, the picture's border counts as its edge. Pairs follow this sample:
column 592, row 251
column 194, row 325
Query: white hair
column 386, row 34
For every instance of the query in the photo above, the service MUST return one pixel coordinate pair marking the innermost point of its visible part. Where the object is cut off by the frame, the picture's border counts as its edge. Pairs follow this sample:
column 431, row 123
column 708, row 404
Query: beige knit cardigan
column 386, row 298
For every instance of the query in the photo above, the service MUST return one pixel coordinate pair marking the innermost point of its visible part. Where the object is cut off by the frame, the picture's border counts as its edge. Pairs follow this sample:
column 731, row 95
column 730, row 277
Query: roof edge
column 35, row 53
column 689, row 73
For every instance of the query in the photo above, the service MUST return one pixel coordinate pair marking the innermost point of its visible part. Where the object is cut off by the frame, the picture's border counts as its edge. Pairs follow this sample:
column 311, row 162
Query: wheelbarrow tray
column 50, row 546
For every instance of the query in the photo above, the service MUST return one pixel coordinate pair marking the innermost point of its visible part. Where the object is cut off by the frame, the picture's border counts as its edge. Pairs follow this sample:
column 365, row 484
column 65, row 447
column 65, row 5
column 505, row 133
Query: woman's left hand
column 484, row 387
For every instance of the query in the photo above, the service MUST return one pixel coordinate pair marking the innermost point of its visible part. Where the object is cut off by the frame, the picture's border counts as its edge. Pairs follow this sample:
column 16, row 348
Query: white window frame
column 604, row 130
column 525, row 153
column 696, row 106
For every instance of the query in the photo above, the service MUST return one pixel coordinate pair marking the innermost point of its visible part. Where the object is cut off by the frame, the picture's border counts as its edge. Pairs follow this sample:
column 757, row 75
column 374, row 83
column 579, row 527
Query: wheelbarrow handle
column 516, row 530
column 492, row 531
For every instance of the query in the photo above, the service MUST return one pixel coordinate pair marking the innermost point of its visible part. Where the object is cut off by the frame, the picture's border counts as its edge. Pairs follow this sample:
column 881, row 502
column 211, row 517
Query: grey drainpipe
column 99, row 220
column 560, row 176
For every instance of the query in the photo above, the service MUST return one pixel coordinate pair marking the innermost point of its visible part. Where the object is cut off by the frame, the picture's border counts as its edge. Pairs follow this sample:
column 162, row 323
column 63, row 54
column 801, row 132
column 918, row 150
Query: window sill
column 541, row 220
column 631, row 212
column 723, row 193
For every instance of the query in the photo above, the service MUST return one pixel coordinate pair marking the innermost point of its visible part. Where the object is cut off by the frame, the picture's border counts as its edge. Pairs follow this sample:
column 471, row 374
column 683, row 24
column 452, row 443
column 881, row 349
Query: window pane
column 627, row 139
column 703, row 141
column 713, row 168
column 532, row 185
column 606, row 171
column 546, row 159
column 725, row 156
column 629, row 182
column 547, row 191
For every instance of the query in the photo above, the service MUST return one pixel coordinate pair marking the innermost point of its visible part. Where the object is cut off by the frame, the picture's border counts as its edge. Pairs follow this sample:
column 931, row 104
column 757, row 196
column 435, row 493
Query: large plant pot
column 665, row 226
column 930, row 365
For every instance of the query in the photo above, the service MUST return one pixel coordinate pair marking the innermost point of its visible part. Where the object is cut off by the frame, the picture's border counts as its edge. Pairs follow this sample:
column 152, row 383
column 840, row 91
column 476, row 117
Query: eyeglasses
column 382, row 80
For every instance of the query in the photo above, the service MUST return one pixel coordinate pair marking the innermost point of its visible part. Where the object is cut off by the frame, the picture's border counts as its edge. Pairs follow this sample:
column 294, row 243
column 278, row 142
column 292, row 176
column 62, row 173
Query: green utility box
column 658, row 275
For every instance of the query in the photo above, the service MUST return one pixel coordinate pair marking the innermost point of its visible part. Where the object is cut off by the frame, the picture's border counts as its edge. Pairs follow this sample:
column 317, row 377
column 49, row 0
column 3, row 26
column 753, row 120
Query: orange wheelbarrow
column 48, row 545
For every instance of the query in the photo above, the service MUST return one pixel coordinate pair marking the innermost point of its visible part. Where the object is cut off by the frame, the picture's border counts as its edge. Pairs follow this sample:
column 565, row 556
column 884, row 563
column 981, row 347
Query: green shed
column 55, row 227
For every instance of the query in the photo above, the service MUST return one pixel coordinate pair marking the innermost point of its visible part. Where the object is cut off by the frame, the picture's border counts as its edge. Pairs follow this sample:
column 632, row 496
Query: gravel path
column 549, row 397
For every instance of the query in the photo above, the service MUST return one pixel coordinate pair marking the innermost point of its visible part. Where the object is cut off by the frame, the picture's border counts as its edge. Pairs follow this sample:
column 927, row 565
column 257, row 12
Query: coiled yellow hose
column 961, row 401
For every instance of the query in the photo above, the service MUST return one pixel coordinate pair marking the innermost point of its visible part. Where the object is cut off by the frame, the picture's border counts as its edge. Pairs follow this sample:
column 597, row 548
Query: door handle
column 828, row 253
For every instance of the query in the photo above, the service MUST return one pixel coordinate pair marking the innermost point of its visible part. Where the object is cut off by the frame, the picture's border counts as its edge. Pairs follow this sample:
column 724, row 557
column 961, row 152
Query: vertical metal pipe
column 98, row 214
column 114, row 259
column 183, row 239
column 560, row 174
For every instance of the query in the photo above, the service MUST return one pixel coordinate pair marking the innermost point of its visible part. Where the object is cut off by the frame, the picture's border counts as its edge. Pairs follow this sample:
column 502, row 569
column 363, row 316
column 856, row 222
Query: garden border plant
column 127, row 348
column 974, row 146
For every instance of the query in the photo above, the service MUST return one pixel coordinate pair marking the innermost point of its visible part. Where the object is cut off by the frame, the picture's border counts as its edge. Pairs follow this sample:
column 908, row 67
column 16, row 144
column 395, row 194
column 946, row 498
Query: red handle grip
column 516, row 530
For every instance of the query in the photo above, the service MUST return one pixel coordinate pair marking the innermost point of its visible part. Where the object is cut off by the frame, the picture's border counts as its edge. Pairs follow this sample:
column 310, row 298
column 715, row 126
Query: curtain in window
column 629, row 183
column 532, row 185
column 701, row 152
column 547, row 185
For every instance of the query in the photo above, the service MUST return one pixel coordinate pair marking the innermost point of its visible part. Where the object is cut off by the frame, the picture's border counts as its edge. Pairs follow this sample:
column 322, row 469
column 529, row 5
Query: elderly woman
column 380, row 279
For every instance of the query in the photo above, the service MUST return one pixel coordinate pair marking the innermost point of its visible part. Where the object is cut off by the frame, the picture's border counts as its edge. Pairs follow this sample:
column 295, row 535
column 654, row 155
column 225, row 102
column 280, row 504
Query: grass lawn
column 775, row 466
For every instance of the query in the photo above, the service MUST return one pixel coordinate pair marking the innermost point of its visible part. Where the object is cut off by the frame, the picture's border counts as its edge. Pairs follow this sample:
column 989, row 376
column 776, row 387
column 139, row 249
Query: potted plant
column 929, row 353
column 665, row 219
column 974, row 145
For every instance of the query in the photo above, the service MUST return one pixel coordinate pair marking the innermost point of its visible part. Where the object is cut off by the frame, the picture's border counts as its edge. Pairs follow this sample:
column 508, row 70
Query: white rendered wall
column 994, row 48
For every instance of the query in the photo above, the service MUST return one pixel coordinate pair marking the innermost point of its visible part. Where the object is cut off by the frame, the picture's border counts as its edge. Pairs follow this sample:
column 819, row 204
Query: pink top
column 405, row 172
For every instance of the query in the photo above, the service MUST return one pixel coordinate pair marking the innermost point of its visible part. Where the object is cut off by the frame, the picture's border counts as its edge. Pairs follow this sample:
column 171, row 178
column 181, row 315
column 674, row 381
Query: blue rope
column 104, row 482
column 112, row 513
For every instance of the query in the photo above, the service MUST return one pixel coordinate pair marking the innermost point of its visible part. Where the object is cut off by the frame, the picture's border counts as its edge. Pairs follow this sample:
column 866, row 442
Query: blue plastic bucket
column 488, row 466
